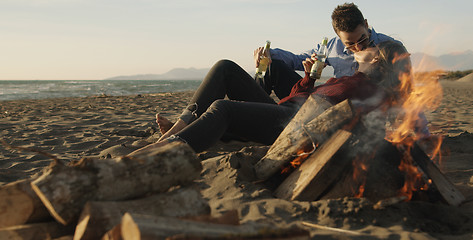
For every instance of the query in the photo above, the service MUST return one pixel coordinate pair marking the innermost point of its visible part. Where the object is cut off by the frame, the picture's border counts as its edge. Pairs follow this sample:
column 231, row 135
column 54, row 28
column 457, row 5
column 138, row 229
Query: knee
column 225, row 64
column 219, row 107
column 219, row 104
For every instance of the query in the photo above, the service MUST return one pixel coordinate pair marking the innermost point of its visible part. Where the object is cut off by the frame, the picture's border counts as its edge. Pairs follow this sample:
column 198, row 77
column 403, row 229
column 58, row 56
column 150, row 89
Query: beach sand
column 110, row 126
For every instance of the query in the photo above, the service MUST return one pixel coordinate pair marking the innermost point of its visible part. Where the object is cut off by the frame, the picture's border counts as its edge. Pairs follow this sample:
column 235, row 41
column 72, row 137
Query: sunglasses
column 361, row 42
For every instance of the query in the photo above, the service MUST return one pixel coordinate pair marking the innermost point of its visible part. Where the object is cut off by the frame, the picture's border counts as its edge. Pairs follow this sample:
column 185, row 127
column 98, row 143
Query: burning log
column 99, row 217
column 316, row 173
column 64, row 190
column 35, row 231
column 19, row 204
column 134, row 226
column 448, row 191
column 284, row 149
column 369, row 167
column 303, row 131
column 374, row 175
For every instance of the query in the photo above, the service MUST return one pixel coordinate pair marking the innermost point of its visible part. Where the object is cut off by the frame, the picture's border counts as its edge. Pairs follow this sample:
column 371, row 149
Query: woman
column 253, row 115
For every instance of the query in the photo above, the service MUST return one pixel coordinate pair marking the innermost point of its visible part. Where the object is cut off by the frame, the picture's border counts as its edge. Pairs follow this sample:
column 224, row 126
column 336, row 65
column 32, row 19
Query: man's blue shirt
column 339, row 57
column 343, row 63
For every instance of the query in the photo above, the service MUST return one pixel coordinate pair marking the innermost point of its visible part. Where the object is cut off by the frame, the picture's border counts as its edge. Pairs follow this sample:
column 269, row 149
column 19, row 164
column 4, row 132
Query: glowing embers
column 302, row 154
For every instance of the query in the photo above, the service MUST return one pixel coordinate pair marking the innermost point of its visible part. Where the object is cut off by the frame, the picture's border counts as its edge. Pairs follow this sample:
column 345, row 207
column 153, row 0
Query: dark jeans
column 250, row 113
column 280, row 79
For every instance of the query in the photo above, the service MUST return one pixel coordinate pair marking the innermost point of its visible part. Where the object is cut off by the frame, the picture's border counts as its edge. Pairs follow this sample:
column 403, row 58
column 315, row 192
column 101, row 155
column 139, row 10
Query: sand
column 467, row 78
column 110, row 126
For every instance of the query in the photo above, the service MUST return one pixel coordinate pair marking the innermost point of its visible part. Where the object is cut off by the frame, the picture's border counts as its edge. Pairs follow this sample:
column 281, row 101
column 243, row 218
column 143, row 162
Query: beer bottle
column 263, row 61
column 316, row 70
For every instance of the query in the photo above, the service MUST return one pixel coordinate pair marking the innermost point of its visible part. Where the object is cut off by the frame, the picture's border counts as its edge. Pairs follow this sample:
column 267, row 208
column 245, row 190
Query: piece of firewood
column 99, row 217
column 317, row 172
column 373, row 170
column 36, row 231
column 446, row 188
column 301, row 134
column 134, row 226
column 283, row 148
column 64, row 190
column 322, row 127
column 19, row 204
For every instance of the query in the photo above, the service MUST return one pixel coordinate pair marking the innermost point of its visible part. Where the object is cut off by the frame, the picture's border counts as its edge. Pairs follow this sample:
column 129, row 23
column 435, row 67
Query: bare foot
column 177, row 127
column 163, row 123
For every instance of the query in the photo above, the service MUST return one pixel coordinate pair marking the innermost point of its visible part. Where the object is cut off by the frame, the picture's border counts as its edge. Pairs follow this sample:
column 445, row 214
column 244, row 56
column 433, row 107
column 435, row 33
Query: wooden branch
column 303, row 133
column 19, row 204
column 35, row 231
column 338, row 230
column 317, row 172
column 99, row 217
column 448, row 191
column 64, row 190
column 144, row 227
column 373, row 172
column 322, row 127
column 283, row 149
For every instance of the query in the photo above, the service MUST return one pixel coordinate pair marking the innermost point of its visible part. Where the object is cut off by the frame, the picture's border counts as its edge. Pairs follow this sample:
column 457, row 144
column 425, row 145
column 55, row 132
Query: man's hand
column 257, row 54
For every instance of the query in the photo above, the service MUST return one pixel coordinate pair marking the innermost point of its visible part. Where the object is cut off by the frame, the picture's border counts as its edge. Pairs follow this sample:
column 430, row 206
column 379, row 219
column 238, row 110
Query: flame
column 433, row 149
column 420, row 92
column 301, row 154
column 360, row 168
column 413, row 177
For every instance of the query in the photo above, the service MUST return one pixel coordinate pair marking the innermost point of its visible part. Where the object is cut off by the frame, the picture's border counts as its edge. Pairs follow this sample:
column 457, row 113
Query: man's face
column 357, row 40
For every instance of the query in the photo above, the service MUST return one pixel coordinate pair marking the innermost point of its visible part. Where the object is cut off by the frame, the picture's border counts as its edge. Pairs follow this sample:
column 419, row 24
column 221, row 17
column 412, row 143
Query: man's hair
column 347, row 17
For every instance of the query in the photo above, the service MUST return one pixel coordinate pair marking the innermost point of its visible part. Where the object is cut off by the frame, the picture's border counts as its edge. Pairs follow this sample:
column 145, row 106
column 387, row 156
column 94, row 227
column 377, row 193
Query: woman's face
column 366, row 58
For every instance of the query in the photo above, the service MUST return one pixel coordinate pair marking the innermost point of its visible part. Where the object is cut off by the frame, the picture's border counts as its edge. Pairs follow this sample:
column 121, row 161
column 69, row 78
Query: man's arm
column 294, row 61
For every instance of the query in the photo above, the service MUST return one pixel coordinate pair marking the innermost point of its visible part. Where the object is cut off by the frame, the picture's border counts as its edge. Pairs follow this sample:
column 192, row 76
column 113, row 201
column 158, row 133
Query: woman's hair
column 346, row 17
column 395, row 68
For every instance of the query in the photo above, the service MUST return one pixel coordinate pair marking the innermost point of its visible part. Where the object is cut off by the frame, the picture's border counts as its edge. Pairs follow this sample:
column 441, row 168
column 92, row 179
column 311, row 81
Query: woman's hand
column 308, row 62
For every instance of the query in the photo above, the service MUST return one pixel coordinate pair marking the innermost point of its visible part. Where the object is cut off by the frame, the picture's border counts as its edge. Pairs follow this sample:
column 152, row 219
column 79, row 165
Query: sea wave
column 40, row 89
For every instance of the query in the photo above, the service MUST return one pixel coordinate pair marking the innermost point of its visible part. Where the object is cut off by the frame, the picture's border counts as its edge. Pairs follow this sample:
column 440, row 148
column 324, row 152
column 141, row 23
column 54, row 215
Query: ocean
column 41, row 89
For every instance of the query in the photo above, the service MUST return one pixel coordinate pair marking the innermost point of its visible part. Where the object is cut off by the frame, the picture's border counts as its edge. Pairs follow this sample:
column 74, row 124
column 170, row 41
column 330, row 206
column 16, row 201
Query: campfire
column 377, row 155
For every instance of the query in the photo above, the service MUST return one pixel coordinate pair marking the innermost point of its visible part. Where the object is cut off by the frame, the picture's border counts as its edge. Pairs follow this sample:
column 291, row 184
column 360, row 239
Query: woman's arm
column 305, row 84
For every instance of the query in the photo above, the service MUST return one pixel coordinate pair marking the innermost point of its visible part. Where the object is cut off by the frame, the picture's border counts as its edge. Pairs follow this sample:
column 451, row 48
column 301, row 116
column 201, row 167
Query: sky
column 98, row 39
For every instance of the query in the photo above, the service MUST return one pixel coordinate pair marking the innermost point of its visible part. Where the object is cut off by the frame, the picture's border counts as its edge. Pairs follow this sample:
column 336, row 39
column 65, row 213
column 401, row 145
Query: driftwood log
column 304, row 130
column 99, row 217
column 318, row 172
column 19, row 204
column 64, row 190
column 36, row 231
column 134, row 226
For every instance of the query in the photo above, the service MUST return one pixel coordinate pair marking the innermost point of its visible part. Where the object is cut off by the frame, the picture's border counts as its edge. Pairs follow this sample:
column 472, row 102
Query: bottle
column 316, row 70
column 263, row 61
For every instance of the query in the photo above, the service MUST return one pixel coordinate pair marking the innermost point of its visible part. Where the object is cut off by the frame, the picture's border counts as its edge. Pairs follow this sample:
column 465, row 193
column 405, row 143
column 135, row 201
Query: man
column 353, row 35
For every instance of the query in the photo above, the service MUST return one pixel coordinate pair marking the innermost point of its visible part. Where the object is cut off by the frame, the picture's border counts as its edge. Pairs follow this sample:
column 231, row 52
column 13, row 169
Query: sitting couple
column 251, row 114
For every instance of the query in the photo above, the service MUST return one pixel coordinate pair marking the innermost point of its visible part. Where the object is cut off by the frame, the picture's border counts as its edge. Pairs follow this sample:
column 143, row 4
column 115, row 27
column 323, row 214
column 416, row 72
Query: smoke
column 375, row 119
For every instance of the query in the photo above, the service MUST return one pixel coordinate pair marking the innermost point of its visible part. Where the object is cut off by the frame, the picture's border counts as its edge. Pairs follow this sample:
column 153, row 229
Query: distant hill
column 190, row 74
column 174, row 74
column 450, row 62
column 422, row 62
